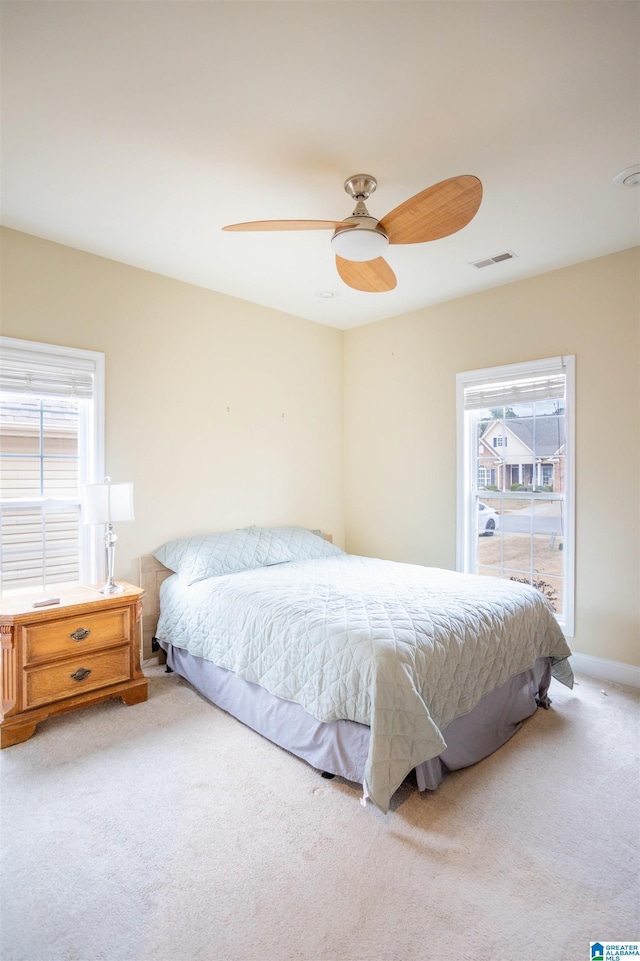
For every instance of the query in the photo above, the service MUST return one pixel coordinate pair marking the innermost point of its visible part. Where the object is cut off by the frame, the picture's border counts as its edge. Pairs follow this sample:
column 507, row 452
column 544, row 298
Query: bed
column 364, row 668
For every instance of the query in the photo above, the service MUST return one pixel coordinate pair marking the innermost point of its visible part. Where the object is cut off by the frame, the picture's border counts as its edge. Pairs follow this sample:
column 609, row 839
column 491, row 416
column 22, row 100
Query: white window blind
column 494, row 389
column 45, row 373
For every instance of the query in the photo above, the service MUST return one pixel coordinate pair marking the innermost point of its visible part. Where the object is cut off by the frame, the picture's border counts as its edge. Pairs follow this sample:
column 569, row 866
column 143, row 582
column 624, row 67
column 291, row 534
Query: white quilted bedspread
column 402, row 648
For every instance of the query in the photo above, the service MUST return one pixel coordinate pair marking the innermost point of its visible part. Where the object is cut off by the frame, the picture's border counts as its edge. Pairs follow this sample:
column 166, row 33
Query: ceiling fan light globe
column 361, row 243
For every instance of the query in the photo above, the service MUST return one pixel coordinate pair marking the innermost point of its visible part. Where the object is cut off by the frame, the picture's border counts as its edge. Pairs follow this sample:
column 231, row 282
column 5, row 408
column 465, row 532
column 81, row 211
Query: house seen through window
column 515, row 477
column 51, row 441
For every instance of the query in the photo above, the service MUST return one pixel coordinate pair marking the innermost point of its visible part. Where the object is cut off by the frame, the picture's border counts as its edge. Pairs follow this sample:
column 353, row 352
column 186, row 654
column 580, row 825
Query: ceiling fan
column 359, row 241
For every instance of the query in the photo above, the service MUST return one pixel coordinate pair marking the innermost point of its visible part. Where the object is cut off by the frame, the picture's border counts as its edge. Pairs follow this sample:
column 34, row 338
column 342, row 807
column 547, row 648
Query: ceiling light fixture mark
column 629, row 177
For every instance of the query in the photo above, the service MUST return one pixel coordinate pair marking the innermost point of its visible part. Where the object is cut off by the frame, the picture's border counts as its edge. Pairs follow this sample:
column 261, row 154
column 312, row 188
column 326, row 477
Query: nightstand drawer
column 75, row 675
column 75, row 635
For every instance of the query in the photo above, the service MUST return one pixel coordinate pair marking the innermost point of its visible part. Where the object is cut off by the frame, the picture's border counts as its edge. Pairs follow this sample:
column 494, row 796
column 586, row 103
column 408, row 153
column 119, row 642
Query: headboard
column 152, row 574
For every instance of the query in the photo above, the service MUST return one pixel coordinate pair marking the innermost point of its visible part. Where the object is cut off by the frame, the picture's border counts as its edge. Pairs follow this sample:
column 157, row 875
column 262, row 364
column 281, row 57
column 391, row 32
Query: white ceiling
column 136, row 130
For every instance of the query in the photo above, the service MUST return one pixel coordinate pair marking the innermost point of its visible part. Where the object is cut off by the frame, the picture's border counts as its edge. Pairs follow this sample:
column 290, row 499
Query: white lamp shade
column 108, row 503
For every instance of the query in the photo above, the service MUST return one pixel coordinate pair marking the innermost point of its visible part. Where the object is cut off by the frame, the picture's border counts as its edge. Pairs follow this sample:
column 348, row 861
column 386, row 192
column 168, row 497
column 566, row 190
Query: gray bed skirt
column 341, row 747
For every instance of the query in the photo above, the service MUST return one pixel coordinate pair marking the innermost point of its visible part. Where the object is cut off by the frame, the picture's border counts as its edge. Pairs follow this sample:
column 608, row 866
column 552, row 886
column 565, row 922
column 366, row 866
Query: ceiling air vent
column 507, row 255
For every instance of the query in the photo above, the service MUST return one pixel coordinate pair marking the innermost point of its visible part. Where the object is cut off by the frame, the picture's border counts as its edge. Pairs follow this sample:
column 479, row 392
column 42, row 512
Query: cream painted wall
column 198, row 383
column 222, row 413
column 400, row 428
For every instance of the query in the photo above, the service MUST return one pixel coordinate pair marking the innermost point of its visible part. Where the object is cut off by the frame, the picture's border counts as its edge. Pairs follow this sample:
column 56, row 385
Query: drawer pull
column 80, row 634
column 81, row 674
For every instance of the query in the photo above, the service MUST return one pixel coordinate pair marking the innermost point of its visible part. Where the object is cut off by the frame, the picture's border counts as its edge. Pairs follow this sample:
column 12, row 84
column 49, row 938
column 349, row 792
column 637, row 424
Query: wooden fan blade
column 436, row 212
column 373, row 276
column 290, row 225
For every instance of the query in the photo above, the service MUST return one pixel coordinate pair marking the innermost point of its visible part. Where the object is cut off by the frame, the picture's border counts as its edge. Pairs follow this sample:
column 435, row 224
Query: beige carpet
column 169, row 831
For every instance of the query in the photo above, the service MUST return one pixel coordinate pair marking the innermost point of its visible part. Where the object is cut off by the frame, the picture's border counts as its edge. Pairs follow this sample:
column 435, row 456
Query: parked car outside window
column 488, row 520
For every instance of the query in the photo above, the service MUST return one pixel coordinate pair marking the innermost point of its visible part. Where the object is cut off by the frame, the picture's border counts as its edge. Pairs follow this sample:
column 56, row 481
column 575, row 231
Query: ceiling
column 136, row 130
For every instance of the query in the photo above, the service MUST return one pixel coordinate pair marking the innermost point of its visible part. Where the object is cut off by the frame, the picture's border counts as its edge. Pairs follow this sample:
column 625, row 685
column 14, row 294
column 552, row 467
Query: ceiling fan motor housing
column 367, row 241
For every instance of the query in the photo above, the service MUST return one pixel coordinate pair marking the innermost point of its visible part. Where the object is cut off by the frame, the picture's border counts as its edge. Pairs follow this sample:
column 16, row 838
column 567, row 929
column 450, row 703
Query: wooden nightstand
column 55, row 659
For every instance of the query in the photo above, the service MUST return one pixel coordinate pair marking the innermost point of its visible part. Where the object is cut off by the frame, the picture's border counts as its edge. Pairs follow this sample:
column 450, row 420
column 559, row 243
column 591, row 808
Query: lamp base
column 109, row 542
column 111, row 588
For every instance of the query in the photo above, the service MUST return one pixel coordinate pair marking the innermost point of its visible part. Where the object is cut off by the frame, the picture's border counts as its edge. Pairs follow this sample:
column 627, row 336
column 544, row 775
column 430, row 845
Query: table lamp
column 108, row 503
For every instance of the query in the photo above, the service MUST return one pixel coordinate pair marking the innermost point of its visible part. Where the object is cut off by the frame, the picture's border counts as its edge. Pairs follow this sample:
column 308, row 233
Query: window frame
column 91, row 436
column 467, row 471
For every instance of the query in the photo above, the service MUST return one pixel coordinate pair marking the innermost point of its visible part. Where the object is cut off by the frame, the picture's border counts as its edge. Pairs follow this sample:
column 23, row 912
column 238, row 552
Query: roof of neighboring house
column 549, row 432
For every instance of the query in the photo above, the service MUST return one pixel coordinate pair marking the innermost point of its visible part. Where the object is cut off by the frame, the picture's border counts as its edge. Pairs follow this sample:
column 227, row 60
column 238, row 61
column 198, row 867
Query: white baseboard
column 614, row 671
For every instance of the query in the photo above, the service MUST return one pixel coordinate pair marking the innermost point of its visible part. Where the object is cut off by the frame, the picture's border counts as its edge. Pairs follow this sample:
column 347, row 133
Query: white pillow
column 212, row 555
column 293, row 544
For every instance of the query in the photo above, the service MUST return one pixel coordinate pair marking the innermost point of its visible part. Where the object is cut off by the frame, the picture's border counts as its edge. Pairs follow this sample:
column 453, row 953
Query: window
column 486, row 477
column 532, row 487
column 51, row 445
